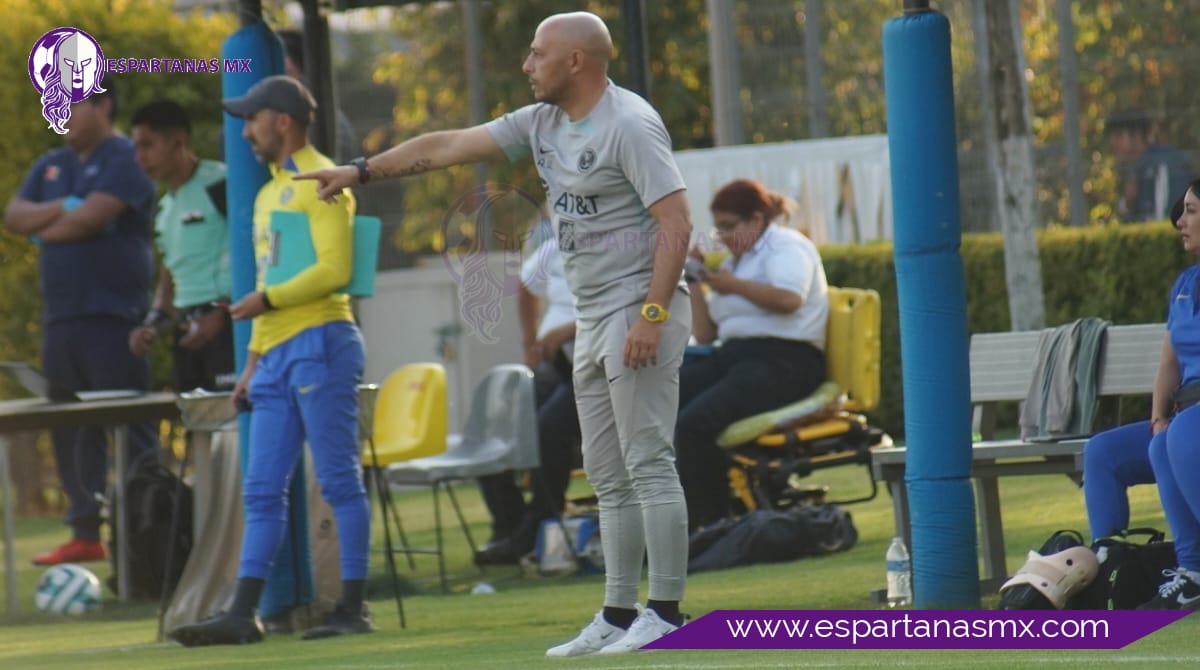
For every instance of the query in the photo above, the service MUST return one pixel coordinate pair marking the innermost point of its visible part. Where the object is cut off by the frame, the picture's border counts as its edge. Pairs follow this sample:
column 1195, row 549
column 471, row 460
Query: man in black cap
column 302, row 371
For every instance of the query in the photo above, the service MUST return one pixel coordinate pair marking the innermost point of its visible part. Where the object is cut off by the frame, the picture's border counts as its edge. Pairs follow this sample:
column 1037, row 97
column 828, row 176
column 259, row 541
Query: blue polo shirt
column 1184, row 324
column 110, row 273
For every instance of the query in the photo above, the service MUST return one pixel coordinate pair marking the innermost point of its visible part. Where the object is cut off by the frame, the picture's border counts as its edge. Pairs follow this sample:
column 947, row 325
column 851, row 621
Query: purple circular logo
column 485, row 233
column 65, row 66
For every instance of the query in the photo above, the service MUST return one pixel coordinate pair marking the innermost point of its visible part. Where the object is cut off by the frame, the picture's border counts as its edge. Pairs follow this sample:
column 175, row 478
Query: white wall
column 842, row 184
column 400, row 322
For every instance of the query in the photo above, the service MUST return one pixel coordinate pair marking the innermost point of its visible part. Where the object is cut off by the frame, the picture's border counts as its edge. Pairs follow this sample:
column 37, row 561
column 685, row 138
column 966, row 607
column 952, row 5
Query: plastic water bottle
column 899, row 574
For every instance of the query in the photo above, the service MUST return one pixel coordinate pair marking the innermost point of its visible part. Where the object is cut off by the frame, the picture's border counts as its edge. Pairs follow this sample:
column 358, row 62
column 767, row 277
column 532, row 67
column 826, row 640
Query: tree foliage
column 124, row 28
column 430, row 74
column 1131, row 54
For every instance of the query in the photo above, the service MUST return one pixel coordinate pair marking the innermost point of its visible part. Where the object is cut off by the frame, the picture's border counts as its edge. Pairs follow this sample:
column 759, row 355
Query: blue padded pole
column 291, row 580
column 933, row 326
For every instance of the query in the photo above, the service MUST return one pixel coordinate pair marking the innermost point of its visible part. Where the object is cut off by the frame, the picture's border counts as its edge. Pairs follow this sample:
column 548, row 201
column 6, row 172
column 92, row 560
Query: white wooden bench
column 1002, row 365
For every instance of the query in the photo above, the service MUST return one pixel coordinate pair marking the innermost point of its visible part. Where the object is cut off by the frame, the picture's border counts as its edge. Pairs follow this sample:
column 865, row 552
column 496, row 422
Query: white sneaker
column 647, row 628
column 594, row 637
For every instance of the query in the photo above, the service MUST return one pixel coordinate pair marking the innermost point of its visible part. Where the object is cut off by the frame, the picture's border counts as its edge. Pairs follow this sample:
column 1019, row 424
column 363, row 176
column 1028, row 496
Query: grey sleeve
column 644, row 154
column 513, row 132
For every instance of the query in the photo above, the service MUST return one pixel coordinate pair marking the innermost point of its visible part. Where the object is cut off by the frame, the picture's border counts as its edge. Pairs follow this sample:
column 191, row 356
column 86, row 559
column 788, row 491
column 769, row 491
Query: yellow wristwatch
column 655, row 313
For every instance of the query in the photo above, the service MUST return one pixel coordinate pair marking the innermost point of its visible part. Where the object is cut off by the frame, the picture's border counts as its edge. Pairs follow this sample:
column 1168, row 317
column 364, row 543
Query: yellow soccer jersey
column 306, row 300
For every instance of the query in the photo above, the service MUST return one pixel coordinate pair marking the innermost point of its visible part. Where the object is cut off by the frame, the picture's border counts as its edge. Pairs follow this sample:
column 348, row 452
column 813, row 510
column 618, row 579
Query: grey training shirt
column 600, row 174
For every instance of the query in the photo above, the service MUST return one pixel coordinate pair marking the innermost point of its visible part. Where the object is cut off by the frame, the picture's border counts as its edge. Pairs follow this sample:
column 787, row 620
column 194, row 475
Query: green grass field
column 513, row 627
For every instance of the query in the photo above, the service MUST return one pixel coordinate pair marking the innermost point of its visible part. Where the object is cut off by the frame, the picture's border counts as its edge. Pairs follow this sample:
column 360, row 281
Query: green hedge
column 1120, row 273
column 129, row 29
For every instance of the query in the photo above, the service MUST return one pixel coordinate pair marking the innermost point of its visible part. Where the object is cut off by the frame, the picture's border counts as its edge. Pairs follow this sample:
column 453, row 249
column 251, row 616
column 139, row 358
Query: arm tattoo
column 419, row 166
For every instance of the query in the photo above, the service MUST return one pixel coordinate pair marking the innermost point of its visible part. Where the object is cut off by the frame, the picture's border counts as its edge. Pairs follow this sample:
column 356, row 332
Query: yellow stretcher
column 770, row 452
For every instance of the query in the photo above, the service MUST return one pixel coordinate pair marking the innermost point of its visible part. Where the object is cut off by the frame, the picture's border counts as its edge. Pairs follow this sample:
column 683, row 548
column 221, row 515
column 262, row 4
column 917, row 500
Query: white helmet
column 1057, row 576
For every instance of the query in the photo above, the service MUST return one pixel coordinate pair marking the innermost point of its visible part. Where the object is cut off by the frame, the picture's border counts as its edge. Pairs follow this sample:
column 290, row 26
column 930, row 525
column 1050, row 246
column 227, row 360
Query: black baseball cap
column 279, row 93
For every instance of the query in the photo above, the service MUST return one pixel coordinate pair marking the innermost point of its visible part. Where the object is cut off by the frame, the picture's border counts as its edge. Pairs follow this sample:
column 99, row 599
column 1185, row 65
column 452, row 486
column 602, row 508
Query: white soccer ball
column 67, row 589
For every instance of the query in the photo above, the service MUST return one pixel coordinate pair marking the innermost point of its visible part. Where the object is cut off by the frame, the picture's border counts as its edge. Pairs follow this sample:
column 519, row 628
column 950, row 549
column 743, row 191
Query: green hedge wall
column 1120, row 273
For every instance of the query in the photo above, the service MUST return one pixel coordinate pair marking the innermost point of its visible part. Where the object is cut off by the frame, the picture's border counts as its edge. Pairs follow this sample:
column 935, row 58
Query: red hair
column 746, row 197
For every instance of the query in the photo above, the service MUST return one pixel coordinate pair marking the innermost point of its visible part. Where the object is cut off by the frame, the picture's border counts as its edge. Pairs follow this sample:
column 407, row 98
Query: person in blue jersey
column 1175, row 422
column 1113, row 461
column 1162, row 449
column 88, row 206
column 194, row 285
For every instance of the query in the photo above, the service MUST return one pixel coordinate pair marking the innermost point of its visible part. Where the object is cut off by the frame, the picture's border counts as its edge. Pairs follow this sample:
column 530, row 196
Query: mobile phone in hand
column 242, row 402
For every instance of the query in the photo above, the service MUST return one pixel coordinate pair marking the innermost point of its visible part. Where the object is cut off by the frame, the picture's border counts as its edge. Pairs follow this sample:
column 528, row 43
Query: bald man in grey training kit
column 623, row 227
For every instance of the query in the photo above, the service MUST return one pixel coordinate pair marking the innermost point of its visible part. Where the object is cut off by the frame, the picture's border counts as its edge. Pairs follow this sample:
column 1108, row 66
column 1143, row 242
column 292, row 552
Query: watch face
column 652, row 312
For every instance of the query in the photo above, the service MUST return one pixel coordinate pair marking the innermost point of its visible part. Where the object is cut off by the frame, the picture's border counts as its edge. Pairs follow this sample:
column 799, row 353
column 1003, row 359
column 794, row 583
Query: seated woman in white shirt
column 767, row 305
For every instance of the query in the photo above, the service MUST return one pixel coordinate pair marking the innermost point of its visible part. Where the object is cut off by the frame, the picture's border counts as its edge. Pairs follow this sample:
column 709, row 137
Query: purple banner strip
column 916, row 629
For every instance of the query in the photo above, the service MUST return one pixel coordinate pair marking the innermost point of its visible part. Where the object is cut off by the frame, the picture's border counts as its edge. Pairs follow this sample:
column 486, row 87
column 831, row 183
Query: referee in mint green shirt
column 193, row 237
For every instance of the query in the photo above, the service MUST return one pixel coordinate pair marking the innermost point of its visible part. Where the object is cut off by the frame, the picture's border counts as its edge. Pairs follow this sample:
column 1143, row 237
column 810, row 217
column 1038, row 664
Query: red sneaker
column 75, row 551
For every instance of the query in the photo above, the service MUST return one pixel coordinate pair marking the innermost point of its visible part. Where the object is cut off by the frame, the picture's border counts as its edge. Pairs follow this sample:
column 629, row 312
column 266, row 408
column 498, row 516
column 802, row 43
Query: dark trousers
column 558, row 438
column 210, row 368
column 87, row 354
column 742, row 378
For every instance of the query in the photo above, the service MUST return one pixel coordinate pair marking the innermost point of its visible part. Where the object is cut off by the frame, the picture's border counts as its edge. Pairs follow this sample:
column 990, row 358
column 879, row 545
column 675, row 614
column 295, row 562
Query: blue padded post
column 933, row 325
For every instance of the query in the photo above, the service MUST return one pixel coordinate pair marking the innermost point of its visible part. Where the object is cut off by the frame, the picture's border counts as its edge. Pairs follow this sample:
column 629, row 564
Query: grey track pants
column 627, row 420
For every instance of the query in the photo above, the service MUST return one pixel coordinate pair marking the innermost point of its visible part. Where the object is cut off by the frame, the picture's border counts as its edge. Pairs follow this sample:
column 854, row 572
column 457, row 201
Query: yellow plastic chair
column 409, row 421
column 410, row 416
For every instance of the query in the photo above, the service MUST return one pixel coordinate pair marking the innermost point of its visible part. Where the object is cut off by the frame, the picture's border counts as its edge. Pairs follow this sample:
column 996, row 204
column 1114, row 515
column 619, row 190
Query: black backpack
column 1130, row 572
column 151, row 494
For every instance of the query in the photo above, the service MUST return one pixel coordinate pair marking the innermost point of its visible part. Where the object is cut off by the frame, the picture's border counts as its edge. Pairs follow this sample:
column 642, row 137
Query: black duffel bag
column 1130, row 571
